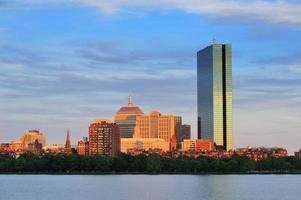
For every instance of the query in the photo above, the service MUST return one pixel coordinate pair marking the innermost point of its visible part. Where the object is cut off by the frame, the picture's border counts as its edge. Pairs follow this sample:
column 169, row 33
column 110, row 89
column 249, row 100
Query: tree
column 154, row 163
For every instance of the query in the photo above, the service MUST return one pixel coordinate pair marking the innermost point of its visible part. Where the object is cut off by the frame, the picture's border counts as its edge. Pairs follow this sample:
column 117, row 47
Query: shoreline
column 162, row 173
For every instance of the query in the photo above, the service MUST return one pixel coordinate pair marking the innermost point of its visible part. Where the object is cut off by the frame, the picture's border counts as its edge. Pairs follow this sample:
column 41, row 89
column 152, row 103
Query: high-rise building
column 67, row 148
column 156, row 125
column 30, row 138
column 126, row 118
column 104, row 138
column 214, row 88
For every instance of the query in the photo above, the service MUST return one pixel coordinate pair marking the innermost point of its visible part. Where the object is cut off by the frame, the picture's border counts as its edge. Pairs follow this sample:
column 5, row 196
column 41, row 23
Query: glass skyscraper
column 214, row 85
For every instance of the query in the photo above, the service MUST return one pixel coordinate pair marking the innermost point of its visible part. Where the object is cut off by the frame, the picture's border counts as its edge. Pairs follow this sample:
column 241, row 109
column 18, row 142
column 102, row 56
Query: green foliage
column 153, row 163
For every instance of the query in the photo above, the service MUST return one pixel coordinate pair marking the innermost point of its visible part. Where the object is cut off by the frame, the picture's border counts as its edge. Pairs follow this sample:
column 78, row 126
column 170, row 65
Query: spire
column 68, row 144
column 214, row 41
column 130, row 101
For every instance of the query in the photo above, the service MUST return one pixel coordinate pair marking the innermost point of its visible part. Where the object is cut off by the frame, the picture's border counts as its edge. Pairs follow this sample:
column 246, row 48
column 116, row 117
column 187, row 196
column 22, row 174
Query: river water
column 150, row 187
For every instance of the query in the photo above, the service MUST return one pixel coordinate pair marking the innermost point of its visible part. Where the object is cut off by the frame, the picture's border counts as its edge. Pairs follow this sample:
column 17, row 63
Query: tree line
column 154, row 163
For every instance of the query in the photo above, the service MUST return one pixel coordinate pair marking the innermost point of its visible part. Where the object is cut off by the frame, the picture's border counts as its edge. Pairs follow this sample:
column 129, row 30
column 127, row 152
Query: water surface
column 150, row 187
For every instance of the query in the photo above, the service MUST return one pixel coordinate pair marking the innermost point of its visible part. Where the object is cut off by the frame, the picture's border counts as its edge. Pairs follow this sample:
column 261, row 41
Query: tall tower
column 67, row 149
column 214, row 88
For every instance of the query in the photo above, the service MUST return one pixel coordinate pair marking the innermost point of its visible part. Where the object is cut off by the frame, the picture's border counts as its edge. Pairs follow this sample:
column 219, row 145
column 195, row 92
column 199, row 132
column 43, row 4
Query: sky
column 64, row 63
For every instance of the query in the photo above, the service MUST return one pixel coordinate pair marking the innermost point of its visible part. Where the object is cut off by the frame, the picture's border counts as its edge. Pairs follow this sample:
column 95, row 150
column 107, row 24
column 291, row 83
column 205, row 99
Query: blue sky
column 64, row 63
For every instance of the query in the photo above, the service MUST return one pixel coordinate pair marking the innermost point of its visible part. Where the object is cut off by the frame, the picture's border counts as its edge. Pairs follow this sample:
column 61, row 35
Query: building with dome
column 126, row 118
column 31, row 136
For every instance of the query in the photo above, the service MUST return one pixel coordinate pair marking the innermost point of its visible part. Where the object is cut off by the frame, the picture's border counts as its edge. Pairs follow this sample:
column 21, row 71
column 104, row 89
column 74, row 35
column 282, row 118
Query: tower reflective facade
column 214, row 85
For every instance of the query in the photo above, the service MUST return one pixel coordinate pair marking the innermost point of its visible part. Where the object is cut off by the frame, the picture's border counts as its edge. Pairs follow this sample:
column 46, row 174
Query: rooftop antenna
column 214, row 40
column 130, row 100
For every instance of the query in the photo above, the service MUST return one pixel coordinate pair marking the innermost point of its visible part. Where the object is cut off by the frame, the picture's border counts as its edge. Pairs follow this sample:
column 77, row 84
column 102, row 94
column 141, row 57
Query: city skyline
column 65, row 64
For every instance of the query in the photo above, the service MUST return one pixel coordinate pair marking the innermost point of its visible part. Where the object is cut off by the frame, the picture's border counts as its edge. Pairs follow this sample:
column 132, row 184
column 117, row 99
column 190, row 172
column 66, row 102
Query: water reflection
column 148, row 187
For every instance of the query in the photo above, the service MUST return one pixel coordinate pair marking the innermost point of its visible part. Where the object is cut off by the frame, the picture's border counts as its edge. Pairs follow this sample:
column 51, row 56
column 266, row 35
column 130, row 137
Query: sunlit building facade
column 156, row 125
column 146, row 144
column 16, row 145
column 197, row 145
column 30, row 138
column 35, row 148
column 126, row 118
column 104, row 138
column 83, row 147
column 214, row 85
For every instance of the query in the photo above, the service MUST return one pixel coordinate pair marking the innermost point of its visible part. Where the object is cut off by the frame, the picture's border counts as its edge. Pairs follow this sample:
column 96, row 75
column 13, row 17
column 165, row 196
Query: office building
column 104, row 138
column 156, row 125
column 214, row 89
column 126, row 118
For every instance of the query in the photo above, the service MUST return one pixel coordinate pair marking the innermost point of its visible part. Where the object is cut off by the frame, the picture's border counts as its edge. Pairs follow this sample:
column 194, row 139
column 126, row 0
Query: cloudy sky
column 65, row 62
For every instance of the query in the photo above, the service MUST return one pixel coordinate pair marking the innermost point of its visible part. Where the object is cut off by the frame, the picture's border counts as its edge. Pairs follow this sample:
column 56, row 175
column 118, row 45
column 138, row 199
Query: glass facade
column 214, row 85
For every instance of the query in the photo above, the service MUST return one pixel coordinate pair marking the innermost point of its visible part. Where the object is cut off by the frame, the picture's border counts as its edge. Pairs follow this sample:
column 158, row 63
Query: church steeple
column 67, row 149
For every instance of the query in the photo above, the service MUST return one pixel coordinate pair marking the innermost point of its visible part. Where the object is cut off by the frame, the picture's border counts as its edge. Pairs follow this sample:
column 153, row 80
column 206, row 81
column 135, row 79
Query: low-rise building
column 298, row 154
column 35, row 148
column 4, row 147
column 54, row 148
column 16, row 146
column 197, row 145
column 130, row 144
column 83, row 147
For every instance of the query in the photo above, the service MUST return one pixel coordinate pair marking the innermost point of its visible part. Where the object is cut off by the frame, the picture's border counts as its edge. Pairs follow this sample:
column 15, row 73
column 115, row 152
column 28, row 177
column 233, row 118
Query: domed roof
column 130, row 109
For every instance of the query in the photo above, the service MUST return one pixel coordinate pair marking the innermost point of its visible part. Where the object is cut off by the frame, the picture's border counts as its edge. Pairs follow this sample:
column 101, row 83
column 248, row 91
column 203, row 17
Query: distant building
column 83, row 147
column 298, row 154
column 197, row 145
column 178, row 124
column 31, row 136
column 4, row 147
column 16, row 146
column 145, row 144
column 54, row 148
column 214, row 88
column 258, row 153
column 35, row 148
column 67, row 149
column 156, row 125
column 104, row 138
column 126, row 118
column 184, row 134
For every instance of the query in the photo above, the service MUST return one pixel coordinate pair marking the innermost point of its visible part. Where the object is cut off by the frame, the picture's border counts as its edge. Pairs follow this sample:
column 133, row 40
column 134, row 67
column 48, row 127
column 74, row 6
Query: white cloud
column 276, row 12
column 272, row 12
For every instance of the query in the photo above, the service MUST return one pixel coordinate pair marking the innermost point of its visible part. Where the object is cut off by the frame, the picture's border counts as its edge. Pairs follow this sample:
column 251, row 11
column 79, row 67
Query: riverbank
column 165, row 173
